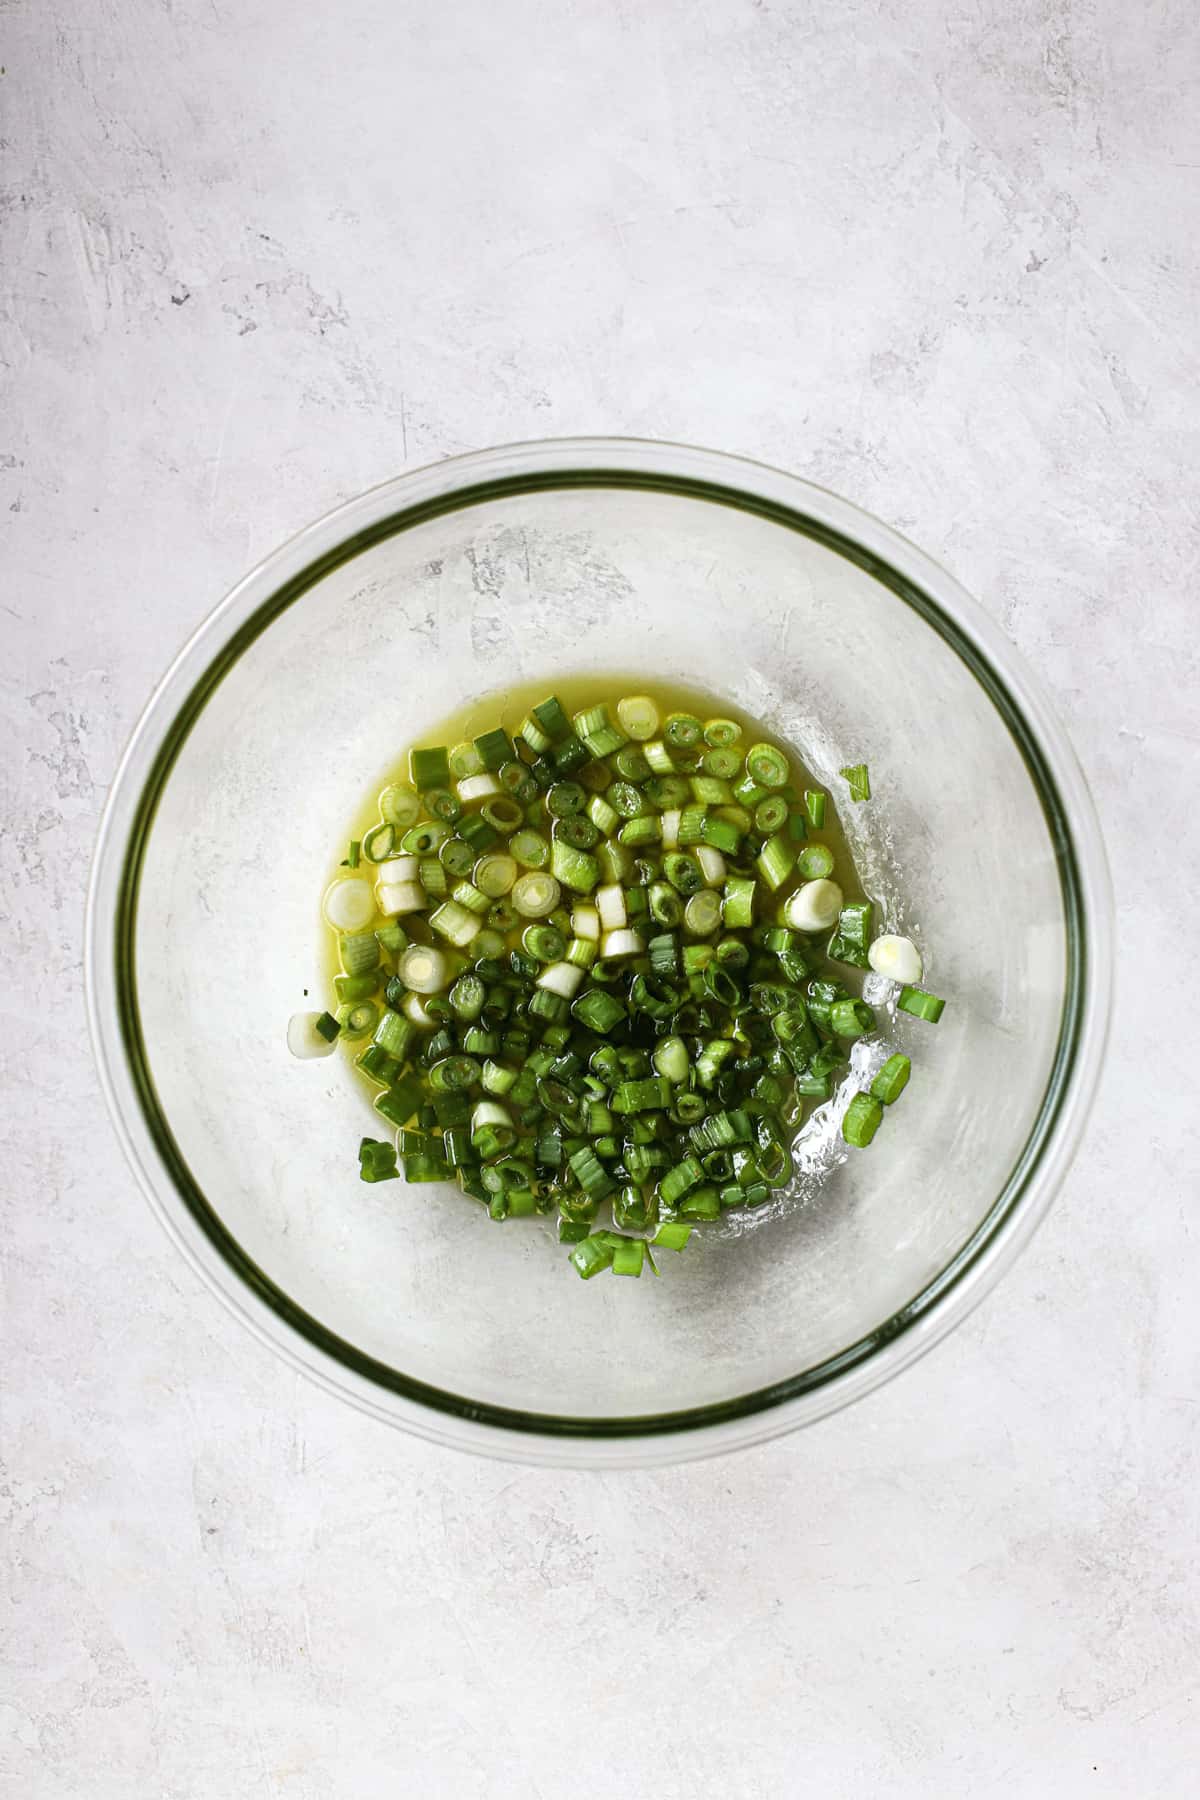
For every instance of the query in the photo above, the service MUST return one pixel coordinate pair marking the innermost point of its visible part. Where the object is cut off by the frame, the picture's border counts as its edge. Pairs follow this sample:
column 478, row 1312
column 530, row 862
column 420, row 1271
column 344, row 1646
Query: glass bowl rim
column 454, row 484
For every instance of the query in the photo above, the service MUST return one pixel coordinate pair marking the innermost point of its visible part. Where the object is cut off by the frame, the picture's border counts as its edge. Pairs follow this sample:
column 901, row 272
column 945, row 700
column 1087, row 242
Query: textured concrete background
column 938, row 254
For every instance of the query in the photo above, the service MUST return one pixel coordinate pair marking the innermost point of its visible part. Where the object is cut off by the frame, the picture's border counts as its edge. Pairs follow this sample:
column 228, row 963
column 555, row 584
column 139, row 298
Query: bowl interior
column 310, row 707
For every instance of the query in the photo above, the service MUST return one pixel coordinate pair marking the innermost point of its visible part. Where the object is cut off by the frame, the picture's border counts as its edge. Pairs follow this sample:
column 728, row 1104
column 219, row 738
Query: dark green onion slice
column 429, row 768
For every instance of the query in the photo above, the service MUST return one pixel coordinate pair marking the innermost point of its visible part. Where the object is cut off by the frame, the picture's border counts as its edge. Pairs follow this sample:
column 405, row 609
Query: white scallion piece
column 398, row 868
column 585, row 923
column 414, row 1009
column 621, row 943
column 610, row 904
column 536, row 895
column 561, row 978
column 670, row 829
column 303, row 1038
column 478, row 787
column 814, row 906
column 712, row 865
column 349, row 905
column 397, row 897
column 424, row 969
column 637, row 716
column 456, row 923
column 898, row 958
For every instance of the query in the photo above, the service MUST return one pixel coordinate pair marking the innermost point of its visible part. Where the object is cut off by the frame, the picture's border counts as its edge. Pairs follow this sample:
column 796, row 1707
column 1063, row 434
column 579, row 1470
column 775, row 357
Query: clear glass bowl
column 981, row 842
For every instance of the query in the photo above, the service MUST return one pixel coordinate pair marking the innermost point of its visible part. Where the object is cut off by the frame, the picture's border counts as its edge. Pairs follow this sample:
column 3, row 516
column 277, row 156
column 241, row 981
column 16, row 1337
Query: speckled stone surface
column 255, row 257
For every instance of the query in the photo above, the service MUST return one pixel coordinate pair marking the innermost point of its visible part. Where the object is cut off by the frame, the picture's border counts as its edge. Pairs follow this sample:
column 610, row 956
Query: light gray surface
column 940, row 257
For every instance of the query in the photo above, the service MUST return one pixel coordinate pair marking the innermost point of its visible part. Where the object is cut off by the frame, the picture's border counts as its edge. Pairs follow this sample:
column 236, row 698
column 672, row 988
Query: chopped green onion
column 467, row 997
column 892, row 1079
column 722, row 734
column 464, row 760
column 659, row 758
column 456, row 856
column 815, row 862
column 400, row 1101
column 494, row 748
column 502, row 814
column 814, row 906
column 478, row 832
column 455, row 922
column 575, row 869
column 530, row 849
column 858, row 780
column 637, row 716
column 724, row 764
column 546, row 724
column 535, row 895
column 377, row 1161
column 429, row 768
column 356, row 987
column 359, row 952
column 604, row 817
column 591, row 1174
column 672, row 1235
column 400, row 807
column 565, row 798
column 628, row 1256
column 850, row 1018
column 850, row 942
column 862, row 1120
column 432, row 876
column 593, row 1255
column 766, row 766
column 349, row 905
column 545, row 942
column 896, row 957
column 443, row 804
column 598, row 732
column 770, row 815
column 599, row 1011
column 738, row 907
column 495, row 874
column 425, row 839
column 747, row 791
column 682, row 731
column 670, row 1058
column 776, row 860
column 721, row 833
column 309, row 1036
column 702, row 914
column 423, row 969
column 379, row 842
column 683, row 873
column 631, row 766
column 814, row 806
column 921, row 1005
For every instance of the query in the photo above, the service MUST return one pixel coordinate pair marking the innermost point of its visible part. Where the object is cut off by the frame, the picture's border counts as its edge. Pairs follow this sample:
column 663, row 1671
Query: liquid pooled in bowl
column 596, row 955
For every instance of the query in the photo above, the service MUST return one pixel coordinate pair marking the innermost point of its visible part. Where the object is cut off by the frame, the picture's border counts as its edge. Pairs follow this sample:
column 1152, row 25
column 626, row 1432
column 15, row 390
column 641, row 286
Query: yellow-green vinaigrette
column 604, row 936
